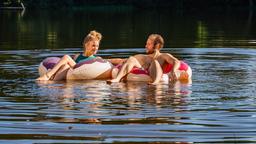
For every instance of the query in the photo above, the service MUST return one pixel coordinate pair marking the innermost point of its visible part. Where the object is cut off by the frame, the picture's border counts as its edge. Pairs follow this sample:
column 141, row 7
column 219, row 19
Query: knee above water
column 131, row 60
column 66, row 57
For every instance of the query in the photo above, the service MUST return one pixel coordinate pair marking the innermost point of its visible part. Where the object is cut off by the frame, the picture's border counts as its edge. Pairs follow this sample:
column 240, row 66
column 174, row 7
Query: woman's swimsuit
column 82, row 58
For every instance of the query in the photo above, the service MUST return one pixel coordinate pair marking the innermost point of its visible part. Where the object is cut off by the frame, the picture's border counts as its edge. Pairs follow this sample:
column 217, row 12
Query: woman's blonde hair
column 157, row 40
column 93, row 35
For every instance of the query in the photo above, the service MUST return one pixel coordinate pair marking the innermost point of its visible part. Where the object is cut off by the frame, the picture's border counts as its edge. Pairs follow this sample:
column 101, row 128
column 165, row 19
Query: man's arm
column 175, row 62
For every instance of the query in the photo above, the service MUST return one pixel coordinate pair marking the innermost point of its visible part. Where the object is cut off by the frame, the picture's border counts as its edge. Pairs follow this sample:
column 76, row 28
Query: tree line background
column 177, row 4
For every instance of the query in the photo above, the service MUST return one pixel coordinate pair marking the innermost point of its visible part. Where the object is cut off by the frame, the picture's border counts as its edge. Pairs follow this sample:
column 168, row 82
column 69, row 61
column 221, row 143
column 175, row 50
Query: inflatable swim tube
column 90, row 69
column 137, row 74
column 47, row 64
column 184, row 72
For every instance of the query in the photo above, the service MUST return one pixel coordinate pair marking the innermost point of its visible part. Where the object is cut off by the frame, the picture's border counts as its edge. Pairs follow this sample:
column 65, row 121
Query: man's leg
column 155, row 72
column 126, row 68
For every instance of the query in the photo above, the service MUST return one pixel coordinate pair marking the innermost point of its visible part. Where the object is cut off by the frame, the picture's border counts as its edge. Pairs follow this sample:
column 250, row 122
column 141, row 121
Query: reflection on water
column 98, row 94
column 126, row 28
column 217, row 106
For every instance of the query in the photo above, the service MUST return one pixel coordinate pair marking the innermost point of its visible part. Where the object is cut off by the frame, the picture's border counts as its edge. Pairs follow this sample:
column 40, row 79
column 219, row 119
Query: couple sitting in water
column 154, row 62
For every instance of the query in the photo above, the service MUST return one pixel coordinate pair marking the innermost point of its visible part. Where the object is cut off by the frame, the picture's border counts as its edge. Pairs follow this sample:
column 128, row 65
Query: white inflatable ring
column 47, row 64
column 90, row 69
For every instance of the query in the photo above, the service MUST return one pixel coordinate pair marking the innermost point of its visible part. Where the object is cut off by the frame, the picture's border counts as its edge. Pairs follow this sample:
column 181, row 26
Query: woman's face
column 149, row 46
column 92, row 47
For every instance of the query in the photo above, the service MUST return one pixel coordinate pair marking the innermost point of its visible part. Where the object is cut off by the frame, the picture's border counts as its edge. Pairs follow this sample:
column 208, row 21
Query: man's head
column 154, row 42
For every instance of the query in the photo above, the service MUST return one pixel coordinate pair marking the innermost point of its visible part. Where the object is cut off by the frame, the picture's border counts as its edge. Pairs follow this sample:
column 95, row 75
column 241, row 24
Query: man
column 153, row 61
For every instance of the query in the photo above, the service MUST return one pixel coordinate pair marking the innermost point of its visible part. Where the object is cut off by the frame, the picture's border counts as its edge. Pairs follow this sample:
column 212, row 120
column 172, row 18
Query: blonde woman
column 66, row 63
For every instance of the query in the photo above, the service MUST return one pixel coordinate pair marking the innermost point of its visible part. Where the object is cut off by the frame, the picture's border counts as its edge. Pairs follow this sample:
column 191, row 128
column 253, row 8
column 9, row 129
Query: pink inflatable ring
column 137, row 74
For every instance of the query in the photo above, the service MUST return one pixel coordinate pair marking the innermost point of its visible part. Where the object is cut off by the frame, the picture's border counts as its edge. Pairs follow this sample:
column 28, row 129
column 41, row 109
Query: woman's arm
column 74, row 57
column 116, row 61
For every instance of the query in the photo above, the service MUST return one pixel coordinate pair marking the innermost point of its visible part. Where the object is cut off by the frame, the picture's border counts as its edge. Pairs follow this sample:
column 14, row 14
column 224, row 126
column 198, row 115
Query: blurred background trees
column 177, row 4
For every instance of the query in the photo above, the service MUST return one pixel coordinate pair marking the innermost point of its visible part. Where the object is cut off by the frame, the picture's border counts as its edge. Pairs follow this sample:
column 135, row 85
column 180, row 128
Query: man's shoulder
column 140, row 55
column 166, row 54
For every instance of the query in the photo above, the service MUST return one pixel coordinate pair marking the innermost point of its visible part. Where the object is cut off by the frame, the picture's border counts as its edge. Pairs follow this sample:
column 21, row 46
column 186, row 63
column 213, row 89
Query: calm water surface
column 217, row 106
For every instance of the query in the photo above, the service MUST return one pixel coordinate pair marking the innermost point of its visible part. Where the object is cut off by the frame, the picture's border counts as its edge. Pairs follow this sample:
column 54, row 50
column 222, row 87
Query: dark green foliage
column 177, row 4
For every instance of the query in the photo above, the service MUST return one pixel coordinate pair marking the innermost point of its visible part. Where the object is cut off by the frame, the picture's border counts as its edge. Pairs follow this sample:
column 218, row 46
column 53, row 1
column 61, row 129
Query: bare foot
column 154, row 83
column 43, row 78
column 108, row 82
column 112, row 81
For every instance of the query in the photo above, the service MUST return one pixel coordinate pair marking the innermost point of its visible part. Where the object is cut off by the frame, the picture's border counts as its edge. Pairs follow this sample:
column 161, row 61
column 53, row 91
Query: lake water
column 218, row 106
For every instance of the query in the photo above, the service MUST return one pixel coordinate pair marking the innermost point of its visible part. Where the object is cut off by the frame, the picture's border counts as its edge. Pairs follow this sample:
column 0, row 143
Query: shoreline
column 21, row 7
column 12, row 8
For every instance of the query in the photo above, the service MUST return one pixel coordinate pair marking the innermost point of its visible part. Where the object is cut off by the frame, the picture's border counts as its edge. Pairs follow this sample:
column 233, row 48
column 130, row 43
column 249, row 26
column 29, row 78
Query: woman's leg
column 61, row 73
column 155, row 72
column 63, row 63
column 126, row 68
